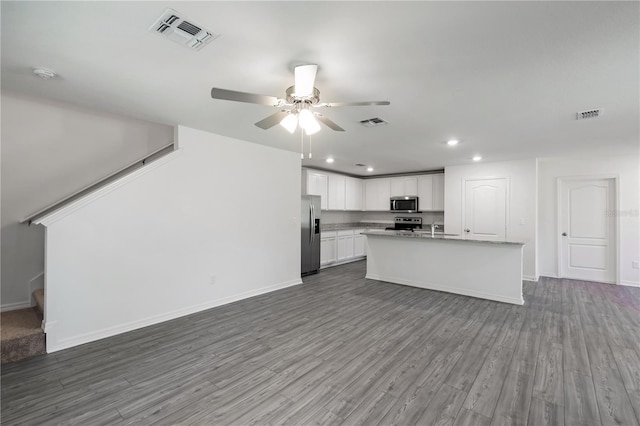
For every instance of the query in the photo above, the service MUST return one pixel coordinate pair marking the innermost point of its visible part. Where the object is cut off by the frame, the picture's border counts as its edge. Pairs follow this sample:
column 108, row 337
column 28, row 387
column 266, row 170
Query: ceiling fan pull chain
column 301, row 144
column 310, row 147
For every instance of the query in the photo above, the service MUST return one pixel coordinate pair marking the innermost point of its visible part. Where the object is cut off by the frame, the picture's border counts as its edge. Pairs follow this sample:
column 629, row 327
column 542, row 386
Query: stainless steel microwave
column 406, row 204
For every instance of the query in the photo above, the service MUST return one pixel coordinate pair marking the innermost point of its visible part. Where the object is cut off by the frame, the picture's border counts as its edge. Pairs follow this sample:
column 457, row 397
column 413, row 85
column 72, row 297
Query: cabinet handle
column 467, row 230
column 564, row 234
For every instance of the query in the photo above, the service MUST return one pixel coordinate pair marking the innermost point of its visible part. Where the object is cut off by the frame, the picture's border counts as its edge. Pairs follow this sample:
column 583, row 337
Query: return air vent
column 373, row 122
column 174, row 26
column 594, row 113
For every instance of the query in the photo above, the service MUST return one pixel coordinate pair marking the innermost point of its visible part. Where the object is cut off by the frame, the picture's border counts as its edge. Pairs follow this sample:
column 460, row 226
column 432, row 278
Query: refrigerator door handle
column 312, row 217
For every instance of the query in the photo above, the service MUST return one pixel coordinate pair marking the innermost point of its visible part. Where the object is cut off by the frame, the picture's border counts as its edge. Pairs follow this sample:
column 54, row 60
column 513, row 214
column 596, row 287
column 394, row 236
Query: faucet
column 433, row 229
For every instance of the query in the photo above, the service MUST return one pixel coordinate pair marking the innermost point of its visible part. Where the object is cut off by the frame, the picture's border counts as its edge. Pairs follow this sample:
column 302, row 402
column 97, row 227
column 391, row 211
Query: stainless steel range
column 403, row 223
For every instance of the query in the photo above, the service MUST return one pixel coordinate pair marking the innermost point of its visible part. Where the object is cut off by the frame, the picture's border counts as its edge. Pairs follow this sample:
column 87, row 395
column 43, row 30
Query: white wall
column 214, row 222
column 49, row 150
column 522, row 202
column 627, row 169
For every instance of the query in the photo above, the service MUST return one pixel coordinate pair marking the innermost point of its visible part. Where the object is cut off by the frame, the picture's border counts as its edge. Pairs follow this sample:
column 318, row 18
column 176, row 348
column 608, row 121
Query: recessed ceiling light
column 452, row 142
column 330, row 160
column 369, row 169
column 477, row 158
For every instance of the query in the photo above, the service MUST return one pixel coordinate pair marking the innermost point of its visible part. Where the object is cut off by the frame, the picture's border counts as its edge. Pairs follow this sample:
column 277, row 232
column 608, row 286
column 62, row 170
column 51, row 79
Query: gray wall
column 49, row 150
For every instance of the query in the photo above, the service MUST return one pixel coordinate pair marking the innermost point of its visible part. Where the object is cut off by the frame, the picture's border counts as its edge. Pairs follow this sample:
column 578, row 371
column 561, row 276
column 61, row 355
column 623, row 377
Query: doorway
column 587, row 229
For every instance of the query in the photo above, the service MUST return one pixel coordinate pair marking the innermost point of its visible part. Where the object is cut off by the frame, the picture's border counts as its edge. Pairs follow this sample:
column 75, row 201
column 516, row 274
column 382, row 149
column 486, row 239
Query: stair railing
column 100, row 183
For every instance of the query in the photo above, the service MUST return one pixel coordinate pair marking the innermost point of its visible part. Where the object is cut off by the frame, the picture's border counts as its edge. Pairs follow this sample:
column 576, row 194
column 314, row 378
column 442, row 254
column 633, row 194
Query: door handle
column 312, row 224
column 564, row 234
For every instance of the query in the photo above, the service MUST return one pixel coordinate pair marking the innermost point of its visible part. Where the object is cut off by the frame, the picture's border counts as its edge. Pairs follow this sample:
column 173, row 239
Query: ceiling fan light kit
column 290, row 122
column 300, row 98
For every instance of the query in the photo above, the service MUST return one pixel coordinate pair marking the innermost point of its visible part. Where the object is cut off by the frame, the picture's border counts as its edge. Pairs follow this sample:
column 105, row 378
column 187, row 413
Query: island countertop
column 426, row 235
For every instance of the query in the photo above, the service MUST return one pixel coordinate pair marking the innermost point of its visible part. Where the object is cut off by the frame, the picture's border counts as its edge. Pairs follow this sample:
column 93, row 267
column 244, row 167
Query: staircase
column 21, row 334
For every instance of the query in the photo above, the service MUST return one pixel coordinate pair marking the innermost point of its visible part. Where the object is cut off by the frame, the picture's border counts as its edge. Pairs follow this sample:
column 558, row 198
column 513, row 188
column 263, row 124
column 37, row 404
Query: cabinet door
column 377, row 194
column 358, row 246
column 402, row 186
column 438, row 191
column 425, row 192
column 317, row 185
column 410, row 185
column 336, row 192
column 384, row 194
column 397, row 187
column 353, row 194
column 327, row 250
column 345, row 248
column 371, row 194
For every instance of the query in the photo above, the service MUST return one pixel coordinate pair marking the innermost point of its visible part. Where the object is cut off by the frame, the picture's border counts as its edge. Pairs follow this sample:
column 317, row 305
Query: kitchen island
column 485, row 269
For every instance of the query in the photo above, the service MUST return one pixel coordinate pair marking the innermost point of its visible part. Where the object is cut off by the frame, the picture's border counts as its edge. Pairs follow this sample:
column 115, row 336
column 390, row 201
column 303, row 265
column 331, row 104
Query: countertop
column 426, row 235
column 355, row 225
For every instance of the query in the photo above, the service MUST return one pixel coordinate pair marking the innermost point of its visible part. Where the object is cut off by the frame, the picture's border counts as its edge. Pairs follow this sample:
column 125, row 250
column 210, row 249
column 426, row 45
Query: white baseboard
column 549, row 275
column 15, row 306
column 530, row 278
column 630, row 283
column 448, row 289
column 54, row 344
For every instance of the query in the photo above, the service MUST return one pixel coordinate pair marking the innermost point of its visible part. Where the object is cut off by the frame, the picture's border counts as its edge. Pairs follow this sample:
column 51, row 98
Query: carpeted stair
column 21, row 335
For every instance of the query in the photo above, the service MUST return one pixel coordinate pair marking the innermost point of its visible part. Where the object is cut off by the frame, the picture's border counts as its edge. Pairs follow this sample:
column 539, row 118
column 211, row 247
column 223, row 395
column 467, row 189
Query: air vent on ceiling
column 594, row 113
column 372, row 122
column 175, row 26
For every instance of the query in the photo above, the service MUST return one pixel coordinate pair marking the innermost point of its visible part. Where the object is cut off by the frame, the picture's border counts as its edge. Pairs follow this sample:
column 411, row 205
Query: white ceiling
column 506, row 78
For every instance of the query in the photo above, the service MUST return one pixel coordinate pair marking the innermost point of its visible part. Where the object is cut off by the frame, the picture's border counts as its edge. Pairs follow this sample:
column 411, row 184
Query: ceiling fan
column 300, row 98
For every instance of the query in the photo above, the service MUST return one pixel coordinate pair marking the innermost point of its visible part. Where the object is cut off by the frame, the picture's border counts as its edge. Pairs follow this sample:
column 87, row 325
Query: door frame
column 616, row 223
column 507, row 200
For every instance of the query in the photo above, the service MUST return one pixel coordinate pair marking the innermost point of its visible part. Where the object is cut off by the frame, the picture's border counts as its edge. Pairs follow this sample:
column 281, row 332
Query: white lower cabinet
column 345, row 245
column 359, row 243
column 337, row 247
column 327, row 248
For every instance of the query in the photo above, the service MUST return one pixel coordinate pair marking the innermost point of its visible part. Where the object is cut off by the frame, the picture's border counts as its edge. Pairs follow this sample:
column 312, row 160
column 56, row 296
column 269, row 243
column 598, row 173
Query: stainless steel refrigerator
column 310, row 235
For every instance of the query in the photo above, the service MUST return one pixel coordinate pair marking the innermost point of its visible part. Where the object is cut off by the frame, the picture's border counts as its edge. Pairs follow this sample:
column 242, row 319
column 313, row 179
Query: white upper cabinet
column 336, row 192
column 425, row 192
column 317, row 185
column 353, row 194
column 438, row 191
column 340, row 192
column 377, row 194
column 431, row 192
column 402, row 186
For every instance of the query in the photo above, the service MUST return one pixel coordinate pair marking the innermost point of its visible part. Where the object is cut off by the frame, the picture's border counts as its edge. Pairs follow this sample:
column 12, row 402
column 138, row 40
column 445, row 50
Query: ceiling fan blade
column 232, row 95
column 272, row 120
column 341, row 104
column 305, row 78
column 330, row 124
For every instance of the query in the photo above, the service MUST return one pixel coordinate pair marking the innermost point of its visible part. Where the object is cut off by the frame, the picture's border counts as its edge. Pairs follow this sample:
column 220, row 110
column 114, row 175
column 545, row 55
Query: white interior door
column 485, row 209
column 587, row 229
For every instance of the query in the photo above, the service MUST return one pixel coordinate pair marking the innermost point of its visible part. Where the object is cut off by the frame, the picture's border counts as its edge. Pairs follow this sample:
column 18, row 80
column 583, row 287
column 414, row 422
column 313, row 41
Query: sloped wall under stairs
column 213, row 222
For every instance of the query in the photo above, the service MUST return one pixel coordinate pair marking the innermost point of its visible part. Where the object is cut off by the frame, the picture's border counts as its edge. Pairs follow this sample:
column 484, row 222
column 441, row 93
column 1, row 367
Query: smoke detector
column 177, row 28
column 373, row 122
column 44, row 73
column 593, row 113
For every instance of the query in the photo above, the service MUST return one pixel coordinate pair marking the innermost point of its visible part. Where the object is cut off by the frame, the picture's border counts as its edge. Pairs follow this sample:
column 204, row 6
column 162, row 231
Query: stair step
column 21, row 335
column 39, row 296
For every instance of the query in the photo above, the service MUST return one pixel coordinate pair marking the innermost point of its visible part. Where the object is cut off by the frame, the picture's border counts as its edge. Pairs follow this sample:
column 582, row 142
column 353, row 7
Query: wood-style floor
column 344, row 350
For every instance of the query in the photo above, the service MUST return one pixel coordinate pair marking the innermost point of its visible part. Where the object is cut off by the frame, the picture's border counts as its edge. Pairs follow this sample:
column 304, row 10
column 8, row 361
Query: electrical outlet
column 635, row 264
